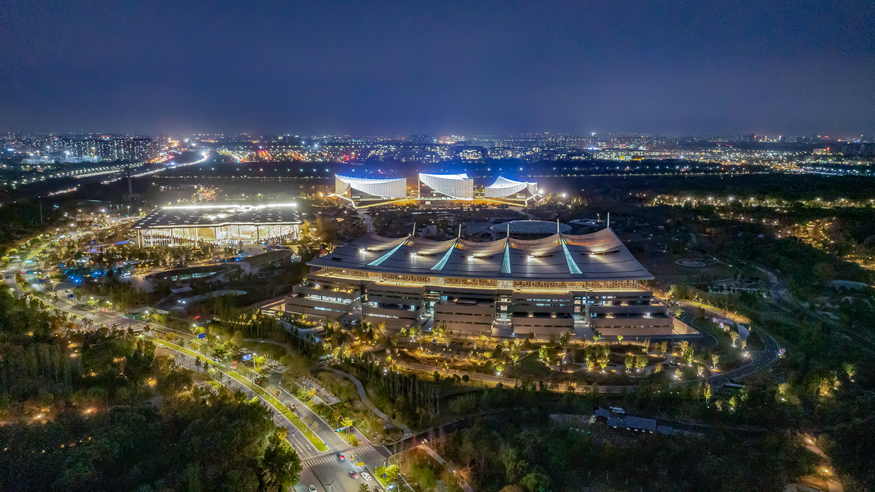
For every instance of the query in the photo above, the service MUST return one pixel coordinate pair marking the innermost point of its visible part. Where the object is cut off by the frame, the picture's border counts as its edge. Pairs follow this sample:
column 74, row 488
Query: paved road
column 302, row 445
column 321, row 469
column 760, row 359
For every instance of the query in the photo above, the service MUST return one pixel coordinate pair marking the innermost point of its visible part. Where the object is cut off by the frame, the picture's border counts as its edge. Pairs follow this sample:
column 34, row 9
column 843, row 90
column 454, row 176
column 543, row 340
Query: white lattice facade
column 503, row 188
column 385, row 188
column 450, row 186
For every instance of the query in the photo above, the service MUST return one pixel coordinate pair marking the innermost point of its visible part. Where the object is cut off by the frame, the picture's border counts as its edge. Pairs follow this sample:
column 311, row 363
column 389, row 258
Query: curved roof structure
column 220, row 215
column 503, row 187
column 560, row 257
column 457, row 186
column 377, row 187
column 530, row 228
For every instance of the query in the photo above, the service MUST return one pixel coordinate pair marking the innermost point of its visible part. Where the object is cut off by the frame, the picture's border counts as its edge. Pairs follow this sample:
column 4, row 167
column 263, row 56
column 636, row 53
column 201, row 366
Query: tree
column 536, row 482
column 850, row 370
column 603, row 363
column 714, row 359
column 346, row 423
column 281, row 465
column 564, row 339
column 824, row 386
column 499, row 367
column 363, row 487
column 783, row 389
column 544, row 354
column 640, row 361
column 515, row 353
column 511, row 488
column 596, row 337
column 743, row 344
column 619, row 339
column 630, row 362
column 734, row 336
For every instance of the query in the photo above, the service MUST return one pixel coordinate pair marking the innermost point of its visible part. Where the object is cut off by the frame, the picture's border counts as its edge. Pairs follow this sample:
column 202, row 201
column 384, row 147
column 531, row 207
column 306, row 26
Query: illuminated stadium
column 513, row 190
column 358, row 189
column 445, row 187
column 220, row 225
column 510, row 287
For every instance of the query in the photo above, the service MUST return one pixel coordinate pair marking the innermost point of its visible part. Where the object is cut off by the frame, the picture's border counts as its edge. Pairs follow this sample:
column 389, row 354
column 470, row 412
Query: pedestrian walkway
column 332, row 456
column 443, row 462
column 367, row 401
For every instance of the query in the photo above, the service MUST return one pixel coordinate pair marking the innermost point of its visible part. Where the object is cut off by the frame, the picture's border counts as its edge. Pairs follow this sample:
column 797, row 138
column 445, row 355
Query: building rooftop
column 530, row 228
column 560, row 257
column 221, row 215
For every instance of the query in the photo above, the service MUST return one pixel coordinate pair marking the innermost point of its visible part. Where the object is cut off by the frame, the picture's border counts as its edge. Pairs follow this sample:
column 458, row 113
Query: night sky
column 412, row 67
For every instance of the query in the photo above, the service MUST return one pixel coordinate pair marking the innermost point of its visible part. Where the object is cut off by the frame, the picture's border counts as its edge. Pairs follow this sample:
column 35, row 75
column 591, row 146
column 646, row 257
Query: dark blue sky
column 465, row 67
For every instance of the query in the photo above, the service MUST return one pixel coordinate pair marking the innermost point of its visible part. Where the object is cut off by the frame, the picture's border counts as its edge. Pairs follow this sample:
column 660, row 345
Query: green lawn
column 309, row 434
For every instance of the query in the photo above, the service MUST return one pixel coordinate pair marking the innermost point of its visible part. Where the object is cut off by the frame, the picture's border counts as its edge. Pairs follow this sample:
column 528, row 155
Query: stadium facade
column 510, row 287
column 445, row 187
column 510, row 189
column 358, row 189
column 220, row 225
column 431, row 187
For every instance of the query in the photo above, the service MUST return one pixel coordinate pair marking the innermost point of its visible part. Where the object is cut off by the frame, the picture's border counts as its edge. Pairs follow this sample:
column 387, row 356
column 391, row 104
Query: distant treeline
column 778, row 186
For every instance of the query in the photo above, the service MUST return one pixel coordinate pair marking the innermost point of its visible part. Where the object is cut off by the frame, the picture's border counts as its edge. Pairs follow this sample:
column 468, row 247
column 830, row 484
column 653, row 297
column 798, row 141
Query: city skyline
column 480, row 68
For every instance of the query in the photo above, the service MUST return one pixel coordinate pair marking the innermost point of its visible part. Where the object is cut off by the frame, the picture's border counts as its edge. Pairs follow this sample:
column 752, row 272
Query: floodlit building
column 445, row 187
column 510, row 189
column 358, row 189
column 221, row 225
column 510, row 287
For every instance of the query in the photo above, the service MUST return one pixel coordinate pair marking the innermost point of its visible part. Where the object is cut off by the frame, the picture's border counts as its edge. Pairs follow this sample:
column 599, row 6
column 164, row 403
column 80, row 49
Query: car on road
column 341, row 457
column 354, row 475
column 366, row 476
column 311, row 488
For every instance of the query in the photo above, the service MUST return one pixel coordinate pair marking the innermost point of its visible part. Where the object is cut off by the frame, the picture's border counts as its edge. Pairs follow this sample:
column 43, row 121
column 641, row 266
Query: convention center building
column 505, row 288
column 219, row 225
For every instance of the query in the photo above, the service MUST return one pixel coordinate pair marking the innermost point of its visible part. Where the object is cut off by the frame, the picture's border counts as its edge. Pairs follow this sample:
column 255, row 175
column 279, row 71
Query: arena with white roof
column 370, row 188
column 507, row 188
column 219, row 224
column 509, row 287
column 446, row 186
